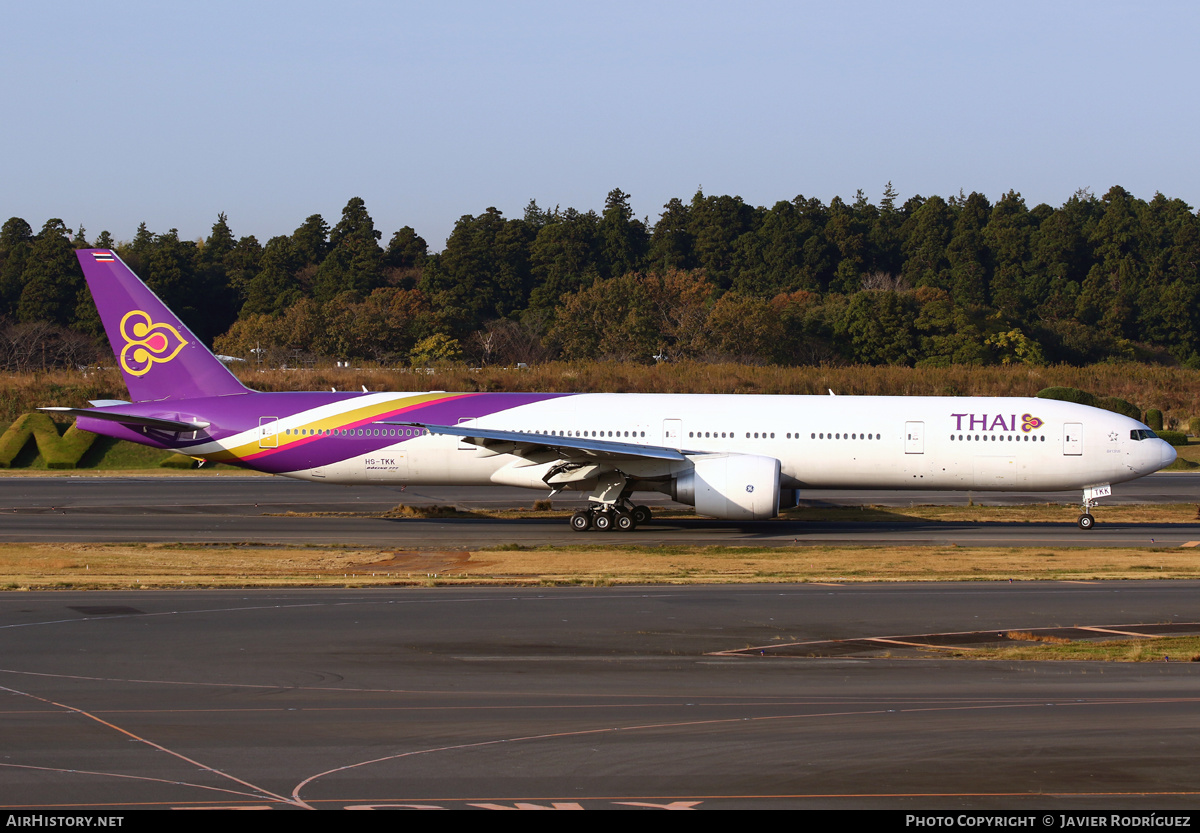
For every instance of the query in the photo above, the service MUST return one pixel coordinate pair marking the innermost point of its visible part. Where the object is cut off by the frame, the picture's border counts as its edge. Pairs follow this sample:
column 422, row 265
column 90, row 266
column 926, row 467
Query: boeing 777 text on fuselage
column 732, row 457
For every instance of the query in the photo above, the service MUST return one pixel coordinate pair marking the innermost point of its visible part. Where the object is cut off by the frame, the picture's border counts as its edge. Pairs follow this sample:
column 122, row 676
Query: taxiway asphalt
column 598, row 698
column 277, row 510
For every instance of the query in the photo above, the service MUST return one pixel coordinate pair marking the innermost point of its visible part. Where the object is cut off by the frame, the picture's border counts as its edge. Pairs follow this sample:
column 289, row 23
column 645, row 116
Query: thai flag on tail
column 104, row 257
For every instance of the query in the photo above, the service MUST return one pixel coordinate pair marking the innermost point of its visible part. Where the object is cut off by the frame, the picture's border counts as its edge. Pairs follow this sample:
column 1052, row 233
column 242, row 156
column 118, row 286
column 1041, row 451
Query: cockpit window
column 1142, row 434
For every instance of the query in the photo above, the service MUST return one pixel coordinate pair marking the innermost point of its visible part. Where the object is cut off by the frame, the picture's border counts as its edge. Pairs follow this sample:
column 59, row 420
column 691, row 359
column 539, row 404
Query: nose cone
column 1168, row 454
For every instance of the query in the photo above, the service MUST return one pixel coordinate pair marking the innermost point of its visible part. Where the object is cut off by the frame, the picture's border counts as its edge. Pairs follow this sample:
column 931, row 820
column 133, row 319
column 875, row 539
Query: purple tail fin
column 158, row 356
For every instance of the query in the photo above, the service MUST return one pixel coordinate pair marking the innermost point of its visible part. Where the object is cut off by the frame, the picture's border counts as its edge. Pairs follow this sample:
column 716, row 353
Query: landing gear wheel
column 1086, row 521
column 603, row 521
column 624, row 521
column 641, row 515
column 581, row 521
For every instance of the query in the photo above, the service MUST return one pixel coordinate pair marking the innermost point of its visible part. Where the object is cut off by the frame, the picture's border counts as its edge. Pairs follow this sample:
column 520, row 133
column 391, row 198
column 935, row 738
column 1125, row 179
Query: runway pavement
column 238, row 509
column 599, row 698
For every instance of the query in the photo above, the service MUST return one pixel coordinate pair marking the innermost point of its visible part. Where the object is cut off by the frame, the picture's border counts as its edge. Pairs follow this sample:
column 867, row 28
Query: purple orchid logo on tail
column 147, row 343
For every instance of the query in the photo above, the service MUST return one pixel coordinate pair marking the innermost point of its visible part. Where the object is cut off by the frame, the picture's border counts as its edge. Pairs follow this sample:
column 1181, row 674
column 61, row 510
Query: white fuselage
column 841, row 442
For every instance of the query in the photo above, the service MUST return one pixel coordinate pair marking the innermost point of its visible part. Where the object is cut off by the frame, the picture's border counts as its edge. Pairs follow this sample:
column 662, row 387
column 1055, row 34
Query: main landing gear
column 603, row 517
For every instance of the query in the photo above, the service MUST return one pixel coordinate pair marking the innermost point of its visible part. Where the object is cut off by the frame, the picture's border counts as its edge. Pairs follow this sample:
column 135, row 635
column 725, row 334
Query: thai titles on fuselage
column 999, row 422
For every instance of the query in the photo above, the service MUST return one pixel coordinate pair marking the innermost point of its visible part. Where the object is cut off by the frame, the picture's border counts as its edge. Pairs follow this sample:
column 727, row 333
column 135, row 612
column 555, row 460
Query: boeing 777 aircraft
column 731, row 457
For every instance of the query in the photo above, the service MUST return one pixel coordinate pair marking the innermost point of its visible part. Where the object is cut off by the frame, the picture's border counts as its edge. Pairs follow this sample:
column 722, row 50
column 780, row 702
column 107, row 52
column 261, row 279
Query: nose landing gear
column 1091, row 494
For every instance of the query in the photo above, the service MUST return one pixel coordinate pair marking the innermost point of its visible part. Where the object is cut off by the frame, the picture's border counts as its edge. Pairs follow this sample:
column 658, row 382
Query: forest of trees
column 934, row 281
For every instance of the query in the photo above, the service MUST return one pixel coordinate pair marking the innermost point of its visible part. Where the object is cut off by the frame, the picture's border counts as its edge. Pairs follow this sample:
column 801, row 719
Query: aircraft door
column 463, row 445
column 1073, row 439
column 268, row 432
column 914, row 438
column 673, row 433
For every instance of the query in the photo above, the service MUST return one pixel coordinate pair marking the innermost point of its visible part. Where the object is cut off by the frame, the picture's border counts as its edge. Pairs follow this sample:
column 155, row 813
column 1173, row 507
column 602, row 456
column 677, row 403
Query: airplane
column 732, row 457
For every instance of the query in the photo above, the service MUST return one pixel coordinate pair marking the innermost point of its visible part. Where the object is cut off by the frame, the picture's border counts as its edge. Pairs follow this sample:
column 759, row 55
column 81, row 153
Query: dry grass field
column 124, row 566
column 1171, row 648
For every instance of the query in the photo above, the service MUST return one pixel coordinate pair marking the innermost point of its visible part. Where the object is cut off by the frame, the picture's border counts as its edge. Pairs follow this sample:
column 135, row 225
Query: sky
column 171, row 113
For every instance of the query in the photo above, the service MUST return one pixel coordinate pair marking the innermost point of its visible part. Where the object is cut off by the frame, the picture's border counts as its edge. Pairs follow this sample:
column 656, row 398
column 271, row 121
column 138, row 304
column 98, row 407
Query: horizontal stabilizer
column 131, row 419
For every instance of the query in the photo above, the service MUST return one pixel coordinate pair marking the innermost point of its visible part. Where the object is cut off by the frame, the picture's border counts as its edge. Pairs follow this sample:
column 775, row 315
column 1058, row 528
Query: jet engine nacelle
column 735, row 487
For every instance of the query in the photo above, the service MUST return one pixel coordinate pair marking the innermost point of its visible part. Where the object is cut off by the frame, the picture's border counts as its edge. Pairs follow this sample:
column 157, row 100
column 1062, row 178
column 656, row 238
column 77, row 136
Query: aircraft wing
column 536, row 446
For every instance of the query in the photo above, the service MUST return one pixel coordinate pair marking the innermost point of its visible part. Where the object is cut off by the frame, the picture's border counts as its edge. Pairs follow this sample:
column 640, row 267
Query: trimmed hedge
column 1173, row 437
column 66, row 450
column 59, row 451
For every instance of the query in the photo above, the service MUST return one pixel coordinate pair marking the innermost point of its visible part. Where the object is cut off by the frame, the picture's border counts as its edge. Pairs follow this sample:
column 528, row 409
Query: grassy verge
column 122, row 566
column 1171, row 648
